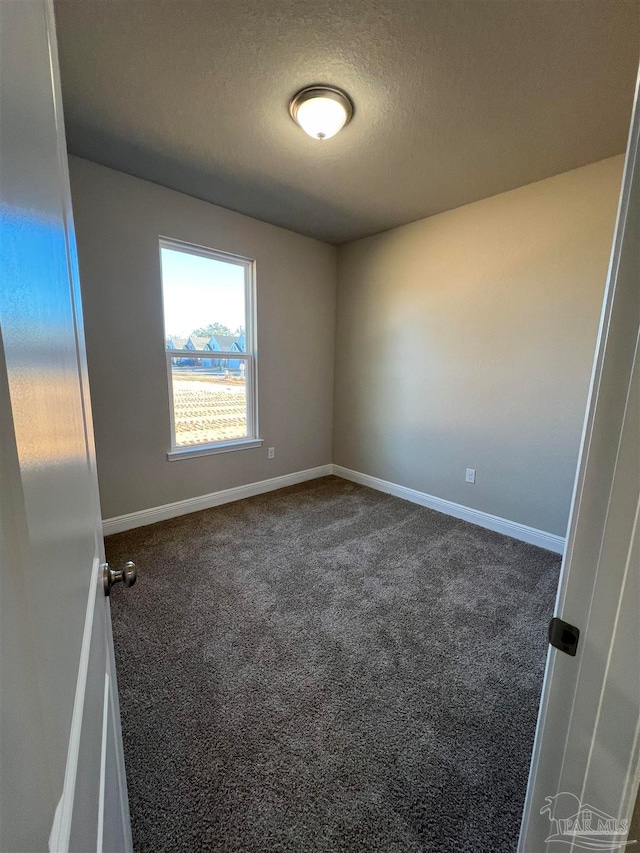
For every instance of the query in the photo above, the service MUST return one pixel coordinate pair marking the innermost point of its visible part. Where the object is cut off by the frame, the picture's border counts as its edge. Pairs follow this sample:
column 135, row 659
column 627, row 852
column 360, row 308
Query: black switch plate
column 564, row 636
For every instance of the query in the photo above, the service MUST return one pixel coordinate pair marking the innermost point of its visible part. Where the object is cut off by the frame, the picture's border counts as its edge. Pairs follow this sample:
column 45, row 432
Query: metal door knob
column 127, row 575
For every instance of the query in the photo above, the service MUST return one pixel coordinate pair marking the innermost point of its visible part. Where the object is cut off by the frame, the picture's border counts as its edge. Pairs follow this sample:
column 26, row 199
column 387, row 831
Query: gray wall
column 462, row 340
column 466, row 340
column 118, row 220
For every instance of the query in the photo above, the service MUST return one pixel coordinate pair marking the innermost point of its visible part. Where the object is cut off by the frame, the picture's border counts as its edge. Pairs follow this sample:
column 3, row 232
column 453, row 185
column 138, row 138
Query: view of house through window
column 208, row 320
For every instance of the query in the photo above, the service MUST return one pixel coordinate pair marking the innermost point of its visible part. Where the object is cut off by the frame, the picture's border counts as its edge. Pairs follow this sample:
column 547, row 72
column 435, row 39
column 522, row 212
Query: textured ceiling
column 455, row 100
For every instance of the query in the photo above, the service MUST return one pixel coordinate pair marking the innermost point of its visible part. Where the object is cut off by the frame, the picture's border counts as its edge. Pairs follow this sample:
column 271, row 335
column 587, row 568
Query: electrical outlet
column 271, row 453
column 471, row 475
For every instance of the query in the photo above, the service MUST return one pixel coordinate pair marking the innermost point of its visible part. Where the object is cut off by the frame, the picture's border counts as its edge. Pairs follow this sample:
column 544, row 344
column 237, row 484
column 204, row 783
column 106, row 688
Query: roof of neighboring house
column 199, row 343
column 225, row 342
column 176, row 343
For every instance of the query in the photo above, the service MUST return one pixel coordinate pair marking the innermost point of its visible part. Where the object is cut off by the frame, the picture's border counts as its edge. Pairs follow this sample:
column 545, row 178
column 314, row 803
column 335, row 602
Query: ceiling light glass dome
column 321, row 111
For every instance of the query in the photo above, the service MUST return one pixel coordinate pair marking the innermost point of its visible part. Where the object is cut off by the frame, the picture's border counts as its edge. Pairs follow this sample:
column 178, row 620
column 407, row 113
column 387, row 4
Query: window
column 209, row 325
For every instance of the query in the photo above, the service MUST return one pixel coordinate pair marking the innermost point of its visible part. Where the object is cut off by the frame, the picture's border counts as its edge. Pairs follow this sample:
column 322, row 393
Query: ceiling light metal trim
column 320, row 91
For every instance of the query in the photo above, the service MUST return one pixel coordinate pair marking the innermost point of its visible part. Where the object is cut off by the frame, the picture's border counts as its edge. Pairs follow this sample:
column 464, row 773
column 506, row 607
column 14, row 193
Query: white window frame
column 252, row 438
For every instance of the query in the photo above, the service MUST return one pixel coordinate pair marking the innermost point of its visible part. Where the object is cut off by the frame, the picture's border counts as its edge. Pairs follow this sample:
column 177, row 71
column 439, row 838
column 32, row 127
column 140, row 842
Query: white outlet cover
column 471, row 475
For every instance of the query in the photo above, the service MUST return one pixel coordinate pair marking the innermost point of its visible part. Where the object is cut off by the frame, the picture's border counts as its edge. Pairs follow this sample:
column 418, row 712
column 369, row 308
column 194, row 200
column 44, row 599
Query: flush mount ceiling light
column 321, row 111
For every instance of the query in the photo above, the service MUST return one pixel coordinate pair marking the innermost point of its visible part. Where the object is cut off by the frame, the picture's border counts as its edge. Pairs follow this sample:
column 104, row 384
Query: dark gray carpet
column 328, row 668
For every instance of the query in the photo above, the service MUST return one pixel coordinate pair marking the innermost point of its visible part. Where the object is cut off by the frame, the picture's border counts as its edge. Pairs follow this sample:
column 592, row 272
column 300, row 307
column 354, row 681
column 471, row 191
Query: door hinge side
column 564, row 636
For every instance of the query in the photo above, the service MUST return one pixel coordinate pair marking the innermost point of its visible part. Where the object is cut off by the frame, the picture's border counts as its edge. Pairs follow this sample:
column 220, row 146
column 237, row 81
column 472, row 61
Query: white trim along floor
column 541, row 538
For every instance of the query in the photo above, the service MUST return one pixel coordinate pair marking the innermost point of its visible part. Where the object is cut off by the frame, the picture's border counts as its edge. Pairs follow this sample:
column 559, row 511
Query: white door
column 62, row 781
column 586, row 762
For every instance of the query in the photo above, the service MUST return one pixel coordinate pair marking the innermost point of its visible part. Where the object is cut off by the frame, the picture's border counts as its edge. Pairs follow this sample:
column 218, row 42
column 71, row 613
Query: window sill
column 209, row 450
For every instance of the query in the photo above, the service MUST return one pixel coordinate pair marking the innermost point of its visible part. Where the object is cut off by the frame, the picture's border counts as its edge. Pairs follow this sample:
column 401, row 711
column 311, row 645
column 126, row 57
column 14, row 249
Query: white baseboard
column 172, row 510
column 483, row 519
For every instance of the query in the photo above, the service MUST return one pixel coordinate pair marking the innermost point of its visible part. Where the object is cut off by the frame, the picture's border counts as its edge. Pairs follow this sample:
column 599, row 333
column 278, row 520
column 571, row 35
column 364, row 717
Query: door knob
column 127, row 574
